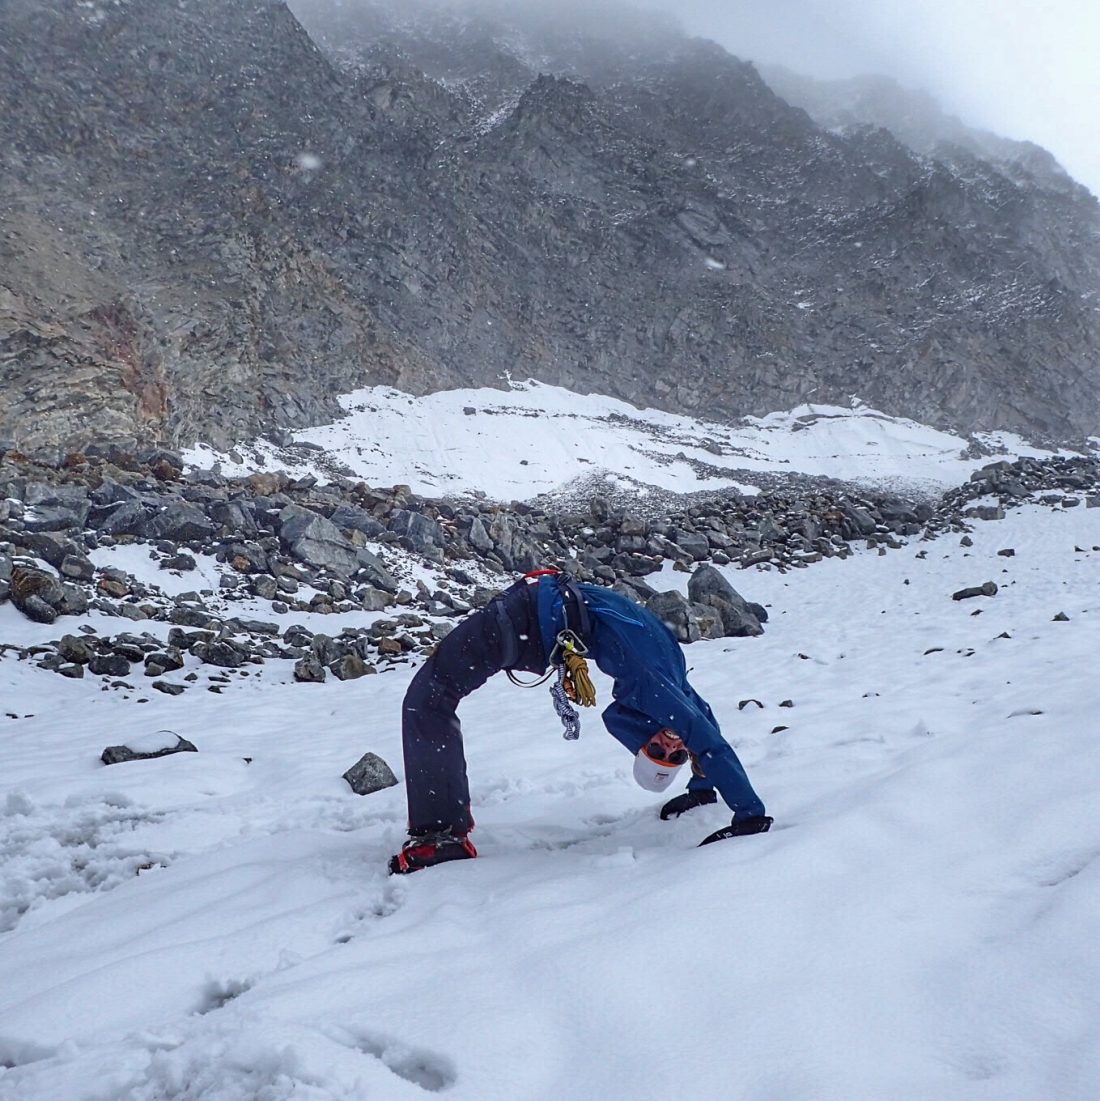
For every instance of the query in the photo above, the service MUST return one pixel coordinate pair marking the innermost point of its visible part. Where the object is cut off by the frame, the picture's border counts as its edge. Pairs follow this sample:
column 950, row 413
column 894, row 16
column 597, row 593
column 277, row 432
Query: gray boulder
column 326, row 648
column 861, row 521
column 110, row 492
column 109, row 665
column 693, row 544
column 77, row 567
column 316, row 541
column 221, row 652
column 236, row 516
column 181, row 522
column 372, row 599
column 36, row 593
column 55, row 517
column 128, row 517
column 51, row 546
column 350, row 667
column 687, row 620
column 264, row 585
column 739, row 618
column 36, row 609
column 511, row 545
column 54, row 507
column 74, row 601
column 373, row 570
column 76, row 649
column 369, row 774
column 478, row 536
column 419, row 532
column 309, row 669
column 163, row 661
column 351, row 518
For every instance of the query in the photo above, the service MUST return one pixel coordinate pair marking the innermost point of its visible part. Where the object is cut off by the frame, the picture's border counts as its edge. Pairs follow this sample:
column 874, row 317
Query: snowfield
column 532, row 438
column 921, row 922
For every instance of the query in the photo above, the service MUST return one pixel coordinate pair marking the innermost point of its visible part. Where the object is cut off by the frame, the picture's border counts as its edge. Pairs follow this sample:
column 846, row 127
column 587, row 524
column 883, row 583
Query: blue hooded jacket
column 633, row 647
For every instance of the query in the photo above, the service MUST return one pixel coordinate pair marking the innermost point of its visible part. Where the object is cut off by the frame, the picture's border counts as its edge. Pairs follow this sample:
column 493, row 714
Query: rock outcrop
column 249, row 535
column 213, row 222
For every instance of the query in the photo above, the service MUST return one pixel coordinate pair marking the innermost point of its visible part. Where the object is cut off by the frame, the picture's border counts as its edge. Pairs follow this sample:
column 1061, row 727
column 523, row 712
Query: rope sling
column 572, row 686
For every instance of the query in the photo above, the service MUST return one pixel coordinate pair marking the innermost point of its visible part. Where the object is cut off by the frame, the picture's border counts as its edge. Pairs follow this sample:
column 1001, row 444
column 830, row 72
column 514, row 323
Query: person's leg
column 435, row 766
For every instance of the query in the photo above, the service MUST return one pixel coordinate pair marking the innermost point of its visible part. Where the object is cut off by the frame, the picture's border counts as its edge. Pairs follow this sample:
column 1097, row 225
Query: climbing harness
column 574, row 683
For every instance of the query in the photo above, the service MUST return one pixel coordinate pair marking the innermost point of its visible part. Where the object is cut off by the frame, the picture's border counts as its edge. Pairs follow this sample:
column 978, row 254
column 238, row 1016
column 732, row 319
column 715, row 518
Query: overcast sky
column 1023, row 68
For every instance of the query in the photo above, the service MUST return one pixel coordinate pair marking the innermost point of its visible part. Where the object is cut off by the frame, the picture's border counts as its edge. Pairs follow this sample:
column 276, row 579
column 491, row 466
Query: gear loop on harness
column 510, row 674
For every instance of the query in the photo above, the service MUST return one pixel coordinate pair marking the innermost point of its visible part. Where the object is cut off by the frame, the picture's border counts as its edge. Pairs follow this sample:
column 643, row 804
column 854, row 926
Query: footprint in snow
column 426, row 1069
column 217, row 993
column 605, row 819
column 388, row 901
column 1065, row 866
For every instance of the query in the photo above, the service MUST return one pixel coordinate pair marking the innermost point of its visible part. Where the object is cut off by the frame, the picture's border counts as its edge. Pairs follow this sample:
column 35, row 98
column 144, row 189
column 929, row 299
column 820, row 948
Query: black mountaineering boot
column 740, row 827
column 680, row 804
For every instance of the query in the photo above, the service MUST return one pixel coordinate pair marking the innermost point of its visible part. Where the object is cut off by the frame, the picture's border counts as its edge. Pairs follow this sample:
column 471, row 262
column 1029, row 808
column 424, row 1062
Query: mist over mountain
column 912, row 116
column 218, row 215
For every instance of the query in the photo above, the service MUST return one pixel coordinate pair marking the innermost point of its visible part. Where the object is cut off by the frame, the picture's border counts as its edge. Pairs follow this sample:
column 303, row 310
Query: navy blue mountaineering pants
column 502, row 635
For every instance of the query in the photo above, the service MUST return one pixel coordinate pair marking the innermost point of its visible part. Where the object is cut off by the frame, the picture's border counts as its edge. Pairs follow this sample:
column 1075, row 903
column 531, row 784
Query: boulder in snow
column 369, row 774
column 144, row 747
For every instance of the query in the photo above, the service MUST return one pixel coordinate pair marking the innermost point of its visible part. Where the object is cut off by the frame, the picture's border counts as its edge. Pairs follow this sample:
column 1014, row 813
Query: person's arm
column 667, row 705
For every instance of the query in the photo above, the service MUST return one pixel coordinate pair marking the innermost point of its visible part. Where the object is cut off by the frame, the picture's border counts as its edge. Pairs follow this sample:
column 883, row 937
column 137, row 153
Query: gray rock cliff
column 213, row 222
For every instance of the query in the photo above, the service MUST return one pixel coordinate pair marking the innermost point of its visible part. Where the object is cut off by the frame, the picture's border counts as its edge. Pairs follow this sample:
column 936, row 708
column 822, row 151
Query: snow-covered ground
column 532, row 438
column 921, row 922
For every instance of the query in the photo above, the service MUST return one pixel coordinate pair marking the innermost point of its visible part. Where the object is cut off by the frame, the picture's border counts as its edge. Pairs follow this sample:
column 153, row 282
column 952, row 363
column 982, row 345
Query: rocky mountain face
column 217, row 215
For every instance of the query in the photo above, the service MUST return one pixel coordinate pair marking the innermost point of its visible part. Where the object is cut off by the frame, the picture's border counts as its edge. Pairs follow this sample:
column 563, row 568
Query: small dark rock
column 369, row 774
column 181, row 562
column 988, row 588
column 116, row 754
column 109, row 665
column 220, row 652
column 163, row 661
